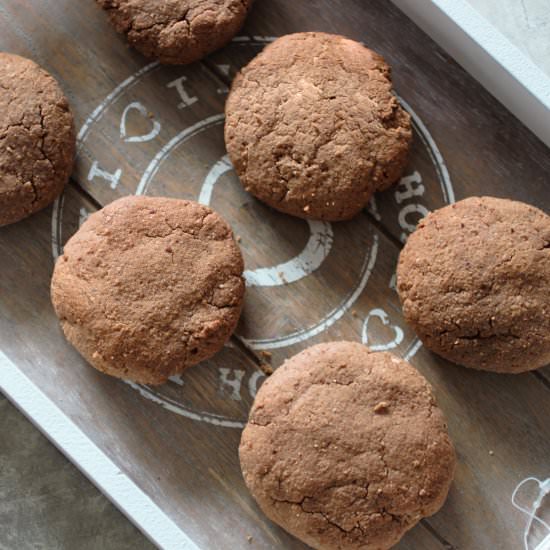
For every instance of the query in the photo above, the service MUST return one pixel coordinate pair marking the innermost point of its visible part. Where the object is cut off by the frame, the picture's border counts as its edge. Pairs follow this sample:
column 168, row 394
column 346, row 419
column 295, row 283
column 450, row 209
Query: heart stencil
column 380, row 314
column 140, row 108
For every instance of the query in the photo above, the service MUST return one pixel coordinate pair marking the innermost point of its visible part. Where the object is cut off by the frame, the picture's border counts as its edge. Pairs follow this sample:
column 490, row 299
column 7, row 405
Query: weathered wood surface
column 161, row 133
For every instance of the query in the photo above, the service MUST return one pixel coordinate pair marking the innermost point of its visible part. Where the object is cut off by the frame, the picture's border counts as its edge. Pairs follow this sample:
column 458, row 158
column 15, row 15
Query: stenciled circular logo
column 160, row 132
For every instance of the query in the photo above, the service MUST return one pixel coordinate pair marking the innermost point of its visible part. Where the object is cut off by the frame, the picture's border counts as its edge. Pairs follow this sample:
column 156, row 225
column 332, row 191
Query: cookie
column 177, row 31
column 149, row 286
column 474, row 282
column 346, row 449
column 313, row 128
column 37, row 138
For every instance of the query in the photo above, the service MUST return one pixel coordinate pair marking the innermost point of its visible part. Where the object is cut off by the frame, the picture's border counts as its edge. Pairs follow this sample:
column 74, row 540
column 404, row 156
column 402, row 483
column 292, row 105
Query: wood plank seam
column 542, row 377
column 446, row 544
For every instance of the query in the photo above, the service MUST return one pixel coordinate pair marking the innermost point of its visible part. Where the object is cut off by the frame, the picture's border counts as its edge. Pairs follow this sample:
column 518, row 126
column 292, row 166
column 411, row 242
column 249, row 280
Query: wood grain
column 185, row 457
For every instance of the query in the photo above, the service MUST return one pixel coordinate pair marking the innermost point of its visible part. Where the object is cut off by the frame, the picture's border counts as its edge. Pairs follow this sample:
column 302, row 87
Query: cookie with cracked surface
column 313, row 128
column 474, row 282
column 346, row 449
column 37, row 138
column 149, row 286
column 177, row 31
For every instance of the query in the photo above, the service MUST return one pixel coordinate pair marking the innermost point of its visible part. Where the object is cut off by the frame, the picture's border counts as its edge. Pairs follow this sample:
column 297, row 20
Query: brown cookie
column 346, row 448
column 474, row 282
column 177, row 31
column 149, row 286
column 313, row 128
column 37, row 139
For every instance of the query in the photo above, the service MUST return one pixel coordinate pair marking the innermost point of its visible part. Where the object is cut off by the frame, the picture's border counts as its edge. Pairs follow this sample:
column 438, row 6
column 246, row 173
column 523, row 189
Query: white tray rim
column 499, row 65
column 90, row 460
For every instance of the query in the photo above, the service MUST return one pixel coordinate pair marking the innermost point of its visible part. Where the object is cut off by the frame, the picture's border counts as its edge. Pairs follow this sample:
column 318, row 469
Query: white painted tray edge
column 489, row 56
column 95, row 464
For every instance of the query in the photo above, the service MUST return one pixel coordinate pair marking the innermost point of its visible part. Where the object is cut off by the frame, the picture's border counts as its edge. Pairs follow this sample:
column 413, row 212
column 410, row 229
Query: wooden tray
column 168, row 456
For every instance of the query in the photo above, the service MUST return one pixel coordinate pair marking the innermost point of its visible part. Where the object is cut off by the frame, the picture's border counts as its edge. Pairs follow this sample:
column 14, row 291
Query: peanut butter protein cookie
column 149, row 286
column 346, row 448
column 177, row 31
column 313, row 128
column 37, row 138
column 474, row 282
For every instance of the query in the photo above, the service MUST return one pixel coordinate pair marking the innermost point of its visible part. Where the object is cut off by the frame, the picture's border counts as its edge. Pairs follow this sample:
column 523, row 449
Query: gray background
column 46, row 503
column 526, row 23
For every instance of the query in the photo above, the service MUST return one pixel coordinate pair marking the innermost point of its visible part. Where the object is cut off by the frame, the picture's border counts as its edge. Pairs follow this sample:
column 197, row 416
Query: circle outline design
column 212, row 418
column 300, row 266
column 182, row 410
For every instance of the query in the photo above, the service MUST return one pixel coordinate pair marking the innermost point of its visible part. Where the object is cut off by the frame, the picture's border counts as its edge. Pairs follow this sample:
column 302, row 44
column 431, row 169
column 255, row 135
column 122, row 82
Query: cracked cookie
column 149, row 286
column 313, row 128
column 177, row 31
column 37, row 139
column 474, row 282
column 345, row 448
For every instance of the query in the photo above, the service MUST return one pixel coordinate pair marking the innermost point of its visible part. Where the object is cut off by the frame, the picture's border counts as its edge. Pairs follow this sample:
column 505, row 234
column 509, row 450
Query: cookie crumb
column 267, row 355
column 354, row 313
column 382, row 407
column 491, row 453
column 238, row 238
column 267, row 369
column 249, row 538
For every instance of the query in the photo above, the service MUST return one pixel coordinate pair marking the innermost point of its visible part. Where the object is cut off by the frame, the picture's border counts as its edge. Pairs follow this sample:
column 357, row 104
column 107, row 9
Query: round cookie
column 346, row 448
column 149, row 286
column 474, row 282
column 177, row 31
column 313, row 128
column 37, row 138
